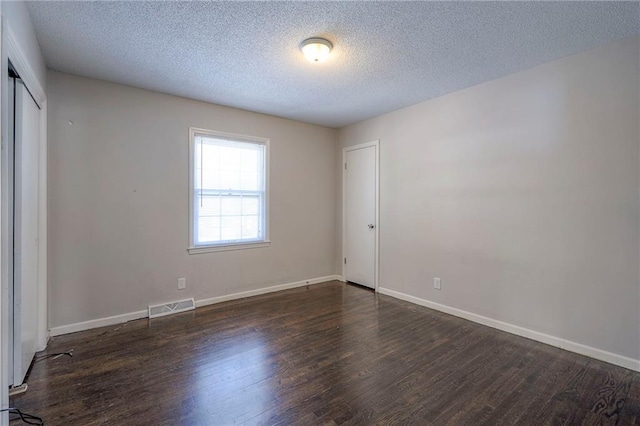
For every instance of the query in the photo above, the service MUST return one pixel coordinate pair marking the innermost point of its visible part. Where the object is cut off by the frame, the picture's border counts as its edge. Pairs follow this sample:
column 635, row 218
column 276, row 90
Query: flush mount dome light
column 316, row 49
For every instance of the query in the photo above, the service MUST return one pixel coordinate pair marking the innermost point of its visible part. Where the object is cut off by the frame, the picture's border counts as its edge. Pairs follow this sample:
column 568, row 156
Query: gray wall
column 118, row 201
column 523, row 195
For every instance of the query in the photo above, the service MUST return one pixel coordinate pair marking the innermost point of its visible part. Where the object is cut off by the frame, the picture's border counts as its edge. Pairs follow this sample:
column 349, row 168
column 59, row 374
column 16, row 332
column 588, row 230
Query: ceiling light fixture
column 316, row 49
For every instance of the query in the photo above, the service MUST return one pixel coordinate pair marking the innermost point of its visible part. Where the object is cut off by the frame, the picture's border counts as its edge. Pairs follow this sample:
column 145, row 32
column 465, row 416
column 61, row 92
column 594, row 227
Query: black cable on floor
column 29, row 419
column 54, row 356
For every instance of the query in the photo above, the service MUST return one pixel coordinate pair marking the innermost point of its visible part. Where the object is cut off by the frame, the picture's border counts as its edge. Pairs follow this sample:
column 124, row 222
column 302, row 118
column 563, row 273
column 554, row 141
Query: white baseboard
column 280, row 287
column 100, row 322
column 622, row 361
column 119, row 319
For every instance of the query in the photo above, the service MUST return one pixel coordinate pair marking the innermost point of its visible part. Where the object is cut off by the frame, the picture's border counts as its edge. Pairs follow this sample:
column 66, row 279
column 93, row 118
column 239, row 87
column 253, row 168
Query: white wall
column 523, row 194
column 118, row 201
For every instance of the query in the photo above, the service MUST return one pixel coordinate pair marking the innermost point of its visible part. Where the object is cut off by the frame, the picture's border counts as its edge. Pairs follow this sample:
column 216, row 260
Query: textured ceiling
column 387, row 55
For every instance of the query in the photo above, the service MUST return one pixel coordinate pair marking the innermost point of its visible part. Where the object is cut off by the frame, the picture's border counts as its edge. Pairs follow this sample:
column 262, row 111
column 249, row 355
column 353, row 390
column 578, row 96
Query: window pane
column 228, row 184
column 230, row 227
column 249, row 181
column 249, row 171
column 231, row 205
column 250, row 227
column 209, row 166
column 209, row 205
column 208, row 229
column 250, row 205
column 230, row 158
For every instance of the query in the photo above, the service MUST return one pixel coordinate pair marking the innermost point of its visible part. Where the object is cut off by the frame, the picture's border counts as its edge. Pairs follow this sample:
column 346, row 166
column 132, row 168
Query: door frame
column 11, row 50
column 376, row 145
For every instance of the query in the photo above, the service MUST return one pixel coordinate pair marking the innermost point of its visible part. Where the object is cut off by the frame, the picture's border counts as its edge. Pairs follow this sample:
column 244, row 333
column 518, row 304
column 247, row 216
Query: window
column 228, row 187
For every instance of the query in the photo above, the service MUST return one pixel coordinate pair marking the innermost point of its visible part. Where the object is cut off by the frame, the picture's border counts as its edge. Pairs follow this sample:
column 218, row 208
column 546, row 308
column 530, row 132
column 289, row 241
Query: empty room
column 319, row 213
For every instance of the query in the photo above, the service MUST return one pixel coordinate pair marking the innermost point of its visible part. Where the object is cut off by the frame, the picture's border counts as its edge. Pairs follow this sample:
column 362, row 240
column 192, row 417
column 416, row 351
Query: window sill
column 228, row 247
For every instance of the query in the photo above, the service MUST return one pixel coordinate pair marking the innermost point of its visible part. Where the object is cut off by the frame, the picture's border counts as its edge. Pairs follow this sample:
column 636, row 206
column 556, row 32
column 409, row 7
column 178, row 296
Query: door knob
column 371, row 226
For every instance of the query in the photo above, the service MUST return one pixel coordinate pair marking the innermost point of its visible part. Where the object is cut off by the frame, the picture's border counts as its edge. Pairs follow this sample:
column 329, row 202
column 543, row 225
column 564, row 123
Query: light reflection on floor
column 234, row 378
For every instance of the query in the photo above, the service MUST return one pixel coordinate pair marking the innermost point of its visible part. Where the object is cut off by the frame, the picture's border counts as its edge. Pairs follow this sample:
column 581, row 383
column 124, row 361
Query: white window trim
column 193, row 249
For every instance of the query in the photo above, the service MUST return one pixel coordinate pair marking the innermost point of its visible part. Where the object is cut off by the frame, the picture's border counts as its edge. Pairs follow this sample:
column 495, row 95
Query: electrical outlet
column 182, row 283
column 436, row 283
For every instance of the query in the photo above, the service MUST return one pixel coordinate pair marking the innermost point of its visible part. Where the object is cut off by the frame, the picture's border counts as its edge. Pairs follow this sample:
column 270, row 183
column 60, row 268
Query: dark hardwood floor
column 325, row 354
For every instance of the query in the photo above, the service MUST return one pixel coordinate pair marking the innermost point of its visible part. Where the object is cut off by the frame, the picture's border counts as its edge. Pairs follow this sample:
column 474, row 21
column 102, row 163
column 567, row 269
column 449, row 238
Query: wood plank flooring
column 326, row 354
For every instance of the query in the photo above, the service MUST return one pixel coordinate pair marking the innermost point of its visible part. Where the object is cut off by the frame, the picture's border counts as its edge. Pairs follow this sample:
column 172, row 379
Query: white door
column 360, row 216
column 25, row 231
